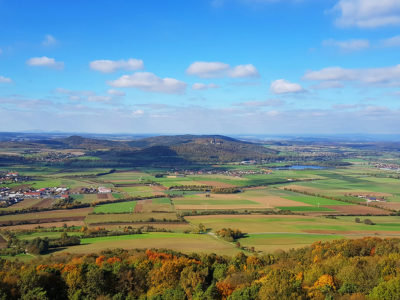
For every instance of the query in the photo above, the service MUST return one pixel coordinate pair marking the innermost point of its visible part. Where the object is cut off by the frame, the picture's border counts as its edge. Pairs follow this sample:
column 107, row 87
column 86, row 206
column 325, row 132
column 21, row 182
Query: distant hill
column 178, row 149
column 188, row 148
column 173, row 140
column 207, row 148
column 90, row 144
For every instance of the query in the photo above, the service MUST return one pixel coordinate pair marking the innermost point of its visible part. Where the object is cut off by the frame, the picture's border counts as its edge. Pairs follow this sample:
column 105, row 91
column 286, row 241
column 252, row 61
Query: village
column 234, row 173
column 11, row 177
column 9, row 196
column 388, row 167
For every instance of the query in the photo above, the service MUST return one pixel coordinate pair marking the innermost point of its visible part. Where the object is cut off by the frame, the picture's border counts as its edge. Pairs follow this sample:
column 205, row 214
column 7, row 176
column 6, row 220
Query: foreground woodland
column 366, row 268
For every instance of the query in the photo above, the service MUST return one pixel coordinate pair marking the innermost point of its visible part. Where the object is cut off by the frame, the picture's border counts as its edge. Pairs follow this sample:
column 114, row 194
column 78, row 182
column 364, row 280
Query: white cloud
column 367, row 13
column 374, row 76
column 45, row 61
column 282, row 86
column 138, row 113
column 203, row 86
column 5, row 79
column 348, row 45
column 109, row 66
column 116, row 92
column 49, row 40
column 391, row 42
column 147, row 81
column 207, row 69
column 218, row 69
column 243, row 71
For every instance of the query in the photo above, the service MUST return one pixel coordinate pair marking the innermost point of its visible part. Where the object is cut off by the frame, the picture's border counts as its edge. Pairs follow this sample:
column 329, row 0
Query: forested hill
column 180, row 149
column 345, row 269
column 173, row 140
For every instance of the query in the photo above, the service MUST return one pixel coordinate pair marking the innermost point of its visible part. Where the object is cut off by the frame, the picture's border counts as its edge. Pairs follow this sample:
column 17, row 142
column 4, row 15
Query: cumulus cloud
column 116, row 93
column 109, row 66
column 367, row 13
column 45, row 61
column 373, row 76
column 391, row 42
column 5, row 79
column 218, row 69
column 348, row 45
column 49, row 40
column 147, row 81
column 243, row 71
column 282, row 86
column 203, row 86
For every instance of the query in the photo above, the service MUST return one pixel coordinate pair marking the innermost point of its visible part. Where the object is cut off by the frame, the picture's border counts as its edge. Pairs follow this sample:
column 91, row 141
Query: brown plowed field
column 388, row 205
column 104, row 197
column 45, row 203
column 139, row 206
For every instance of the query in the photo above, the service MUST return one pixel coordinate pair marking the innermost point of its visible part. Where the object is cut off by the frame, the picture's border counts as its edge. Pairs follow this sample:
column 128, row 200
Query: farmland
column 277, row 207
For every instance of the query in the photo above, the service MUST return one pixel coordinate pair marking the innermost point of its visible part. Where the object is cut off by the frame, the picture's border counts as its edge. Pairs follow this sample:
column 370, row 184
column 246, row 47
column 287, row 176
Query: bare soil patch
column 139, row 206
column 45, row 203
column 158, row 190
column 102, row 196
column 388, row 205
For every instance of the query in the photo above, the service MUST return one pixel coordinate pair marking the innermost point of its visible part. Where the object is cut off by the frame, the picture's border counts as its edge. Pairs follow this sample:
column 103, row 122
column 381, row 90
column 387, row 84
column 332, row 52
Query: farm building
column 104, row 190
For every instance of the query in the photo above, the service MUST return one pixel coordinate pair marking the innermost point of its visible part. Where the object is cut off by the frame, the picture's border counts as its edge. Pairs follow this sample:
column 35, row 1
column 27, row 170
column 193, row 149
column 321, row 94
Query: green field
column 187, row 243
column 161, row 201
column 120, row 207
column 134, row 191
column 269, row 242
column 298, row 224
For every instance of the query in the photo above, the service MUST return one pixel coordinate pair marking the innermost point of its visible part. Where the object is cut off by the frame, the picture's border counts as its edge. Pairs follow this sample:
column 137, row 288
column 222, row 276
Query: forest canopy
column 366, row 268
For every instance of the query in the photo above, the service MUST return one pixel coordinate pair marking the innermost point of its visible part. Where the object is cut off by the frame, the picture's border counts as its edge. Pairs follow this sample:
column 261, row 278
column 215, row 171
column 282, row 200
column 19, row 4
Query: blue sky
column 200, row 66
